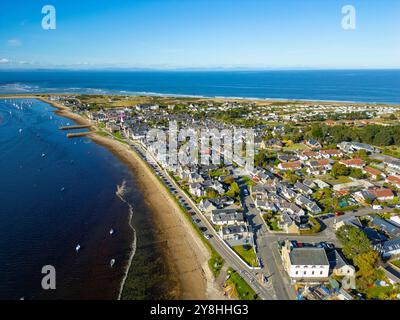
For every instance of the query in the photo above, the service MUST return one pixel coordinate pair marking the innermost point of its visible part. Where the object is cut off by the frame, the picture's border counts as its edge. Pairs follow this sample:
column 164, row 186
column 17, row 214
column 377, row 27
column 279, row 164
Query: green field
column 331, row 180
column 247, row 254
column 296, row 146
column 244, row 291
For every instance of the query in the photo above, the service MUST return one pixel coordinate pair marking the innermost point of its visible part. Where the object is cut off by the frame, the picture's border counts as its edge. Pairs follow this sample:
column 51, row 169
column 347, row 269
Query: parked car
column 339, row 213
column 377, row 207
column 207, row 236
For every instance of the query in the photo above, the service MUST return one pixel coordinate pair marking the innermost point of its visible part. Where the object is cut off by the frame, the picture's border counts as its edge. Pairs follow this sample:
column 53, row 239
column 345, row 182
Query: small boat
column 20, row 130
column 78, row 247
column 112, row 262
column 43, row 155
column 62, row 189
column 111, row 231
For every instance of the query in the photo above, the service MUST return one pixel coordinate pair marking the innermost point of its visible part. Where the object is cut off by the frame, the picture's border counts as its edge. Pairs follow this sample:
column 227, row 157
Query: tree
column 291, row 177
column 339, row 169
column 233, row 190
column 356, row 173
column 366, row 263
column 354, row 241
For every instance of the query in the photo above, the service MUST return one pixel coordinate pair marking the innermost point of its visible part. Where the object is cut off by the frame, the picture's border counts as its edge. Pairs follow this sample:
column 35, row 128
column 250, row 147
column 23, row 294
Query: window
column 313, row 272
column 320, row 272
column 297, row 272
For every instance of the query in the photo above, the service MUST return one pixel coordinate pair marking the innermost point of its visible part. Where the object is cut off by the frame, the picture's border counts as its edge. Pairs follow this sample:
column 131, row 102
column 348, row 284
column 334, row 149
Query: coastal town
column 318, row 215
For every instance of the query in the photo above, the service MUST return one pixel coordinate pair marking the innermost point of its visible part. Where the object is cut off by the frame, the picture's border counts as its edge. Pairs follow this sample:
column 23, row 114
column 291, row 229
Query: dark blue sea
column 374, row 86
column 55, row 193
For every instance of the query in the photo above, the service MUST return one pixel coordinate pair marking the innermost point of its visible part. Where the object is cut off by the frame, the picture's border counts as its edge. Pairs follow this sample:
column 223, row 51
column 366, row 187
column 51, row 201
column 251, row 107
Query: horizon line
column 199, row 69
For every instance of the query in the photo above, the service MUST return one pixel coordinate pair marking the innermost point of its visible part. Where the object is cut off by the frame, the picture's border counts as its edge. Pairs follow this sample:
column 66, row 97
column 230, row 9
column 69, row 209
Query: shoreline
column 201, row 97
column 187, row 257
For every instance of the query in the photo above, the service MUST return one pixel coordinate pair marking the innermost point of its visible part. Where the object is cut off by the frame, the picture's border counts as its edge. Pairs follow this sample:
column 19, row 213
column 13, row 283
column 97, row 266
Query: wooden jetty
column 78, row 134
column 75, row 127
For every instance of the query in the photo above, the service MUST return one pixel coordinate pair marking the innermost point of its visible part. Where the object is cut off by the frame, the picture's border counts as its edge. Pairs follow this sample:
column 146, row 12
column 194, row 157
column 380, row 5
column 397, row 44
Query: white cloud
column 14, row 43
column 4, row 61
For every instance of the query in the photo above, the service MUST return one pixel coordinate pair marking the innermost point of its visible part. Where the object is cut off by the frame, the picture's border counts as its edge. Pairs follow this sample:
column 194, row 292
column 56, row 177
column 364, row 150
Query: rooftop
column 309, row 256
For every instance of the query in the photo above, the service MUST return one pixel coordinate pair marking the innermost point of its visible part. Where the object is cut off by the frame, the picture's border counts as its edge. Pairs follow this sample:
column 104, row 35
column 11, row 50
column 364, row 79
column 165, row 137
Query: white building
column 305, row 264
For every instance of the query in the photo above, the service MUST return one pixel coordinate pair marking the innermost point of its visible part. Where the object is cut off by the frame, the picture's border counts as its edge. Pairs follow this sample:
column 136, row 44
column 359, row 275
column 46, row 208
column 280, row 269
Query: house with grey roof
column 206, row 206
column 388, row 248
column 338, row 265
column 392, row 274
column 302, row 188
column 309, row 204
column 307, row 264
column 389, row 227
column 239, row 234
column 226, row 217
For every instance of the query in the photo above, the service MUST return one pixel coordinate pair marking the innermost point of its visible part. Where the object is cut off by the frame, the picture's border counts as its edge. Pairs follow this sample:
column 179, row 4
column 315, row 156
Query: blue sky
column 200, row 34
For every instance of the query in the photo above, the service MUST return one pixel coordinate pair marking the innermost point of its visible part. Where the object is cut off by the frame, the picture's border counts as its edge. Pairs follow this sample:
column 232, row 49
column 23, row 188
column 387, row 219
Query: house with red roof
column 394, row 180
column 374, row 173
column 291, row 165
column 382, row 194
column 353, row 163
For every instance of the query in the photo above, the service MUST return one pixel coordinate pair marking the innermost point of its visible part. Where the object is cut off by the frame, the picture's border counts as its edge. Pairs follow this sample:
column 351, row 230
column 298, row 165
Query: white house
column 305, row 264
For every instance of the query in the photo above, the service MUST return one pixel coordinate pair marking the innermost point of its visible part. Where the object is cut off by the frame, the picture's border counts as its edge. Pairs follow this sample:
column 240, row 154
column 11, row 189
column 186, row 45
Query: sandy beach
column 186, row 254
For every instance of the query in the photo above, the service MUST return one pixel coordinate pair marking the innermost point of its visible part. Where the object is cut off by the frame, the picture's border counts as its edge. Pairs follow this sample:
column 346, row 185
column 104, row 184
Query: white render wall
column 309, row 271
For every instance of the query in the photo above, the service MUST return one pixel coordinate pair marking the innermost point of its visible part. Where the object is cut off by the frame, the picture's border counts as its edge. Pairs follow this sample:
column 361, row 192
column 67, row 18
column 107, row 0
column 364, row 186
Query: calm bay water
column 51, row 203
column 382, row 86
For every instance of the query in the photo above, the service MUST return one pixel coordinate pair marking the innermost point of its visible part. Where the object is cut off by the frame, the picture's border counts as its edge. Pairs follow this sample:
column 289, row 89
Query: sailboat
column 111, row 231
column 78, row 247
column 112, row 262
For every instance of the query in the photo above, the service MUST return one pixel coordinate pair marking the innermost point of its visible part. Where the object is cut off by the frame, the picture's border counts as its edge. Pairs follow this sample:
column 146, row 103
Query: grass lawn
column 247, row 255
column 331, row 180
column 102, row 133
column 117, row 135
column 273, row 224
column 393, row 151
column 244, row 291
column 215, row 263
column 381, row 293
column 296, row 146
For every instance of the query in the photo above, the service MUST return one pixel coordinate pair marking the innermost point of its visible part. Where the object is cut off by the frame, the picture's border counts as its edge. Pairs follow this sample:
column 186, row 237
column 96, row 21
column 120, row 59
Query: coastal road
column 267, row 249
column 249, row 274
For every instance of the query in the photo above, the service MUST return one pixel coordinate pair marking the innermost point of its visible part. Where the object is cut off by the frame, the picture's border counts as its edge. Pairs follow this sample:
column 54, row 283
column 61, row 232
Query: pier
column 78, row 134
column 75, row 127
